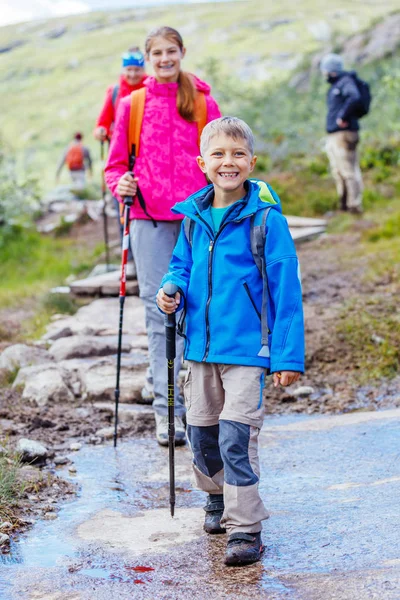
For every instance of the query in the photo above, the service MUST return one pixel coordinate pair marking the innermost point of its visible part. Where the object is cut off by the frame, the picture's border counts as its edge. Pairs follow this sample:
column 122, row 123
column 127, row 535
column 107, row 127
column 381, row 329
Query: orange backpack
column 74, row 158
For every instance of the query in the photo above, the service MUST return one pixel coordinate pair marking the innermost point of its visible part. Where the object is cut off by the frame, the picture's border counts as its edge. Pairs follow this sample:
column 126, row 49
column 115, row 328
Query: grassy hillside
column 50, row 87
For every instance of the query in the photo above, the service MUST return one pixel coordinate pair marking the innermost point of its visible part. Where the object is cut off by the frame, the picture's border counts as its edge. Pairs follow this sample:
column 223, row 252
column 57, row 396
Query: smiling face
column 132, row 74
column 165, row 57
column 227, row 162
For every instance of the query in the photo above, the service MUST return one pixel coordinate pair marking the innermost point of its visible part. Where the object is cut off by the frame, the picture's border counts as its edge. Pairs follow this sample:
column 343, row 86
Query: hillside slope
column 54, row 73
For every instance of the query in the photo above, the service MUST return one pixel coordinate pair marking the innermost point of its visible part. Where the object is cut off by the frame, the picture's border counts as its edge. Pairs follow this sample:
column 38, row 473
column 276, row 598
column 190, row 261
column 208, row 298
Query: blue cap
column 133, row 59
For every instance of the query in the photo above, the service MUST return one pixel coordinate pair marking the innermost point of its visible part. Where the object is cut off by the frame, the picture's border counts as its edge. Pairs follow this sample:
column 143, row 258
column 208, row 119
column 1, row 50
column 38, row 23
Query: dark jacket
column 342, row 98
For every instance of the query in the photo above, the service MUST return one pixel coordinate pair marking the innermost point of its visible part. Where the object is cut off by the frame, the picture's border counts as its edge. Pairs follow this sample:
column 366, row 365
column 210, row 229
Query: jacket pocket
column 187, row 388
column 247, row 289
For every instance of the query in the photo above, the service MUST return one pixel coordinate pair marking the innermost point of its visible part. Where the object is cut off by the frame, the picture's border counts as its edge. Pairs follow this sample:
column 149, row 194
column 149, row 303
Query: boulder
column 129, row 415
column 21, row 355
column 32, row 451
column 45, row 384
column 100, row 382
column 80, row 346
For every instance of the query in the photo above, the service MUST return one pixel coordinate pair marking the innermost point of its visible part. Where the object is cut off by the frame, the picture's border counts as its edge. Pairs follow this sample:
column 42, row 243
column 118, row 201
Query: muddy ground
column 330, row 277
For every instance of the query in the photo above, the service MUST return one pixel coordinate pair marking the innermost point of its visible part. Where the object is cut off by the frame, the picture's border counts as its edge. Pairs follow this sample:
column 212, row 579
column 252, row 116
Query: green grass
column 10, row 487
column 52, row 87
column 30, row 263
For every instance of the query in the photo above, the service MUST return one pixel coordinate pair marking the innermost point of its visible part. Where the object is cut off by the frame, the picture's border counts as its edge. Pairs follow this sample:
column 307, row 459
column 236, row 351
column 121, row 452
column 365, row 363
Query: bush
column 19, row 201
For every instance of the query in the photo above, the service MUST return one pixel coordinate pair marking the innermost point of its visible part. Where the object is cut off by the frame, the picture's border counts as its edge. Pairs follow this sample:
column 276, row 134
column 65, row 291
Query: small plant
column 60, row 303
column 10, row 487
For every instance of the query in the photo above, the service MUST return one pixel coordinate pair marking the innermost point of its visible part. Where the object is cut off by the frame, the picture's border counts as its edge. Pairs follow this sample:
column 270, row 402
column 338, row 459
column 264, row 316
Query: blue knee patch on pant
column 234, row 440
column 204, row 444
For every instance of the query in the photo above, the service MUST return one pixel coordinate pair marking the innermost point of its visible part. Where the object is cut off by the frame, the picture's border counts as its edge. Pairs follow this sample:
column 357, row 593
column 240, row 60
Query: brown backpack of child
column 74, row 158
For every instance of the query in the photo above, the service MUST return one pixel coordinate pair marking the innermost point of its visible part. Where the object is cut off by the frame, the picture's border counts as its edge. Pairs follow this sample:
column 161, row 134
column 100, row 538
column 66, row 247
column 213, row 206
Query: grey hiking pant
column 152, row 249
column 341, row 148
column 224, row 416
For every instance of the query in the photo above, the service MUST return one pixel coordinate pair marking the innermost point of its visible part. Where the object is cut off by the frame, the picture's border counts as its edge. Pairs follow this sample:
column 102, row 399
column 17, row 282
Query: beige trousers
column 224, row 416
column 341, row 148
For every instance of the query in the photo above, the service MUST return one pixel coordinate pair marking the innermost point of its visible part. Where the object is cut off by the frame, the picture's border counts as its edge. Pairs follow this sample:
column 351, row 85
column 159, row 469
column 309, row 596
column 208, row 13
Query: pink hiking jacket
column 166, row 165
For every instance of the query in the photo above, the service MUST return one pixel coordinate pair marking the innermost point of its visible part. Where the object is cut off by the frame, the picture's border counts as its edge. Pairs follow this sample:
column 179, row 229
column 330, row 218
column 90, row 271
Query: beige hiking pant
column 224, row 416
column 341, row 148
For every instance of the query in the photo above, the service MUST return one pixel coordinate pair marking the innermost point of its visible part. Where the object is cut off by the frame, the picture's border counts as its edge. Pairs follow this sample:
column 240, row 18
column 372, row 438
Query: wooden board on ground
column 305, row 222
column 302, row 234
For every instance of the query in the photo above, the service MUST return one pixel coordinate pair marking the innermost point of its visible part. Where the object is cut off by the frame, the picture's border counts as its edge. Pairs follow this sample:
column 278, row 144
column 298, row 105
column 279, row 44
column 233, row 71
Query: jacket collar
column 258, row 196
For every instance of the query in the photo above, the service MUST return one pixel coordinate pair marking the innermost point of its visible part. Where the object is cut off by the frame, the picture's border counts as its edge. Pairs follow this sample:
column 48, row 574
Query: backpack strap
column 188, row 226
column 114, row 94
column 257, row 240
column 200, row 111
column 138, row 99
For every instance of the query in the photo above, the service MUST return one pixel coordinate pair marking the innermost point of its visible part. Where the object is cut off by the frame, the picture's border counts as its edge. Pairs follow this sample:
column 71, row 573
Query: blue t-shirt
column 217, row 214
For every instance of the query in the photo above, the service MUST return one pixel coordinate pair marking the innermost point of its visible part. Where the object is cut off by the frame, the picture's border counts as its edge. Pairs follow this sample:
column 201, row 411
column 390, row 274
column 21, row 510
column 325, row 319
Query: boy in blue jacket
column 226, row 300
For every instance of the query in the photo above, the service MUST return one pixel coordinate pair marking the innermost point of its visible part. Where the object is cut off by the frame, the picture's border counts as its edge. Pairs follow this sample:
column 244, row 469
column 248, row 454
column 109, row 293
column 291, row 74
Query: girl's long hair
column 186, row 89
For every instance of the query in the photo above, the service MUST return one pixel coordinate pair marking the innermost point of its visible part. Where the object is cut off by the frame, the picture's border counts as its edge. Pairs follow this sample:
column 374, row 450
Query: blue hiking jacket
column 222, row 286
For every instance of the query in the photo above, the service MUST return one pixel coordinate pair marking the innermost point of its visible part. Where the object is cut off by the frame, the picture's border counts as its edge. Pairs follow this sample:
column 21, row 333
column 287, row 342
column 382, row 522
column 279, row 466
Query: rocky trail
column 58, row 413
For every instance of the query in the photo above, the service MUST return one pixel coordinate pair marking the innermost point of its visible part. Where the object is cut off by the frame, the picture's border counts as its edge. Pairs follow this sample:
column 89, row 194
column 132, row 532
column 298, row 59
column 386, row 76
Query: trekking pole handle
column 170, row 290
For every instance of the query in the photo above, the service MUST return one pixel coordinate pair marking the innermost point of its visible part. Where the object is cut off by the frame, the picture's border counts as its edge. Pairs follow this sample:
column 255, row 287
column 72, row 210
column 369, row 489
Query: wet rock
column 61, row 460
column 32, row 451
column 75, row 446
column 106, row 433
column 21, row 355
column 79, row 346
column 4, row 539
column 72, row 469
column 304, row 390
column 48, row 383
column 129, row 415
column 94, row 439
column 50, row 516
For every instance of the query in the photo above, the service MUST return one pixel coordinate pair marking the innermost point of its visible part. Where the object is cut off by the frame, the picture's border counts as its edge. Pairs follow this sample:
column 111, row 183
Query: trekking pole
column 170, row 289
column 128, row 201
column 103, row 193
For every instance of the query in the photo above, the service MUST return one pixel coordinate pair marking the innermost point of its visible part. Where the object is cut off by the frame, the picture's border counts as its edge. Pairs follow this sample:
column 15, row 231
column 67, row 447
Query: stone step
column 107, row 284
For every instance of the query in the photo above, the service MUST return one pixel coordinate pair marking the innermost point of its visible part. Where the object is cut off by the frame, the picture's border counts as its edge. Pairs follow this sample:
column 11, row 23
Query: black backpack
column 364, row 103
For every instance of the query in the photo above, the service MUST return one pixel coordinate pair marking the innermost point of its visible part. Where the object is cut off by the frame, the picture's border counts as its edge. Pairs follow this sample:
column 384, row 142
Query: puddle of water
column 109, row 478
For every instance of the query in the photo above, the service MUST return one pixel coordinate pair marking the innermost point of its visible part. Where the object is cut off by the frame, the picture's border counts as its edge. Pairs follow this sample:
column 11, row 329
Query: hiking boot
column 162, row 430
column 356, row 210
column 243, row 549
column 214, row 510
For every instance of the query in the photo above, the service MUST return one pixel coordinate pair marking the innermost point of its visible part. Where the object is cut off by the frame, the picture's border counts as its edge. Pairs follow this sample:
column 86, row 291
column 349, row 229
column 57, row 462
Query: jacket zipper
column 246, row 287
column 210, row 257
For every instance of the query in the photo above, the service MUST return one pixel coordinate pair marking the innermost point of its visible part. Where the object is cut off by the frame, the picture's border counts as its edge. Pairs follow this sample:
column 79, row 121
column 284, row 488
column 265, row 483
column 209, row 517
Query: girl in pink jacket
column 166, row 172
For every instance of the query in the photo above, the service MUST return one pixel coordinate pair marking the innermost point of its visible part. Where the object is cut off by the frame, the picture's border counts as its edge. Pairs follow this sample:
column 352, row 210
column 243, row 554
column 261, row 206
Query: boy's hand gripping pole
column 128, row 201
column 170, row 289
column 103, row 193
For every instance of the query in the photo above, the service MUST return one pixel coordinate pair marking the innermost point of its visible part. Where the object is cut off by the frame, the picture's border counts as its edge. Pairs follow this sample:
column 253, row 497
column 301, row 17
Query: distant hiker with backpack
column 132, row 78
column 348, row 100
column 237, row 272
column 163, row 121
column 77, row 158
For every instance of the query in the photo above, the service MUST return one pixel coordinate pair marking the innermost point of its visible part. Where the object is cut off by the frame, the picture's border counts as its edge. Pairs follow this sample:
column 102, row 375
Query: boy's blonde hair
column 232, row 127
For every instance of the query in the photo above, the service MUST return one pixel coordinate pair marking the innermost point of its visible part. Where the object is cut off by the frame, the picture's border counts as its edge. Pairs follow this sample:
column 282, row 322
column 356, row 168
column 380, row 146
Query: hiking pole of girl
column 165, row 173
